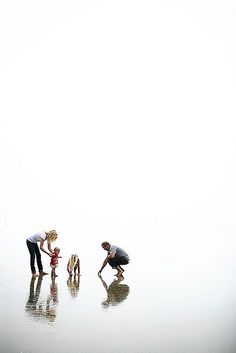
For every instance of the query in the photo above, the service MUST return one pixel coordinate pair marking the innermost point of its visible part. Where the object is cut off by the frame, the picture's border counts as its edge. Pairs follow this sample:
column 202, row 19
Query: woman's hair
column 51, row 235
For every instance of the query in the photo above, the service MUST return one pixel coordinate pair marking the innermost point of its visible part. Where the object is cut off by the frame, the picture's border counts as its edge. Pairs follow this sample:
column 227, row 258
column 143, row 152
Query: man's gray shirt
column 119, row 251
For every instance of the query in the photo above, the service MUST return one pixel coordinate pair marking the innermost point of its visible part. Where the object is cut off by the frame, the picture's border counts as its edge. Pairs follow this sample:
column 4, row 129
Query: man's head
column 106, row 246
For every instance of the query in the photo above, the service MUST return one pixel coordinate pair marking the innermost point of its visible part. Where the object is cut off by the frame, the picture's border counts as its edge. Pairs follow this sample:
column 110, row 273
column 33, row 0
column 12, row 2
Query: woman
column 32, row 245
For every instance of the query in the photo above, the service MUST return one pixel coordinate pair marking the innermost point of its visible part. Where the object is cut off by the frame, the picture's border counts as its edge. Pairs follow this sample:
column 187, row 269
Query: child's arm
column 68, row 269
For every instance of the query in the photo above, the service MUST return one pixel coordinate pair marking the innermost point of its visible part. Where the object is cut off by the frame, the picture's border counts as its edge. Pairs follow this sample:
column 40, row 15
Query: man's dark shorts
column 118, row 260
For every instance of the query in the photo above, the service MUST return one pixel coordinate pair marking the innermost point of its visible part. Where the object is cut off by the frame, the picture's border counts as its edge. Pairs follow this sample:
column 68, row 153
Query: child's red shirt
column 54, row 259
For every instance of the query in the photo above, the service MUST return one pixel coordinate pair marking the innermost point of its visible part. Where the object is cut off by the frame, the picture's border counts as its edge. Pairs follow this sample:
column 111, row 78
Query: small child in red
column 54, row 261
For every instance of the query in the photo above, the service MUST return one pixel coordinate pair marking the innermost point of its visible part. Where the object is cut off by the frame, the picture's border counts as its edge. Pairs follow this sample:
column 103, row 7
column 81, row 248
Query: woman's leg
column 38, row 257
column 32, row 255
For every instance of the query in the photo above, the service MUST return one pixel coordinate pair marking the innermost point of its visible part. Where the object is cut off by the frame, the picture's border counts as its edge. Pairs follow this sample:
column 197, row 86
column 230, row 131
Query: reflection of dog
column 73, row 265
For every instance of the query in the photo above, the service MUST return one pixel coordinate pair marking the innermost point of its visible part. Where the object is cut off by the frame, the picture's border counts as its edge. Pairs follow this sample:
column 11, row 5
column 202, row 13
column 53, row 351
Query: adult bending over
column 33, row 248
column 115, row 257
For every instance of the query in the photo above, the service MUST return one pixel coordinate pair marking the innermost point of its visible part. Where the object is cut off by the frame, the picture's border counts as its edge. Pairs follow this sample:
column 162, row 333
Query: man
column 116, row 257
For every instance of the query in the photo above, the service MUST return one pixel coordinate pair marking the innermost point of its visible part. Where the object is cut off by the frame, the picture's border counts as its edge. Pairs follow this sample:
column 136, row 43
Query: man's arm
column 112, row 254
column 104, row 264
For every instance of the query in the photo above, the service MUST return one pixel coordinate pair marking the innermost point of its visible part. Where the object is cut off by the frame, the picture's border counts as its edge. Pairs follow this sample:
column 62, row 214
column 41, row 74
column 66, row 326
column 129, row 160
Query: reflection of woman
column 34, row 294
column 42, row 309
column 116, row 292
column 32, row 307
column 34, row 249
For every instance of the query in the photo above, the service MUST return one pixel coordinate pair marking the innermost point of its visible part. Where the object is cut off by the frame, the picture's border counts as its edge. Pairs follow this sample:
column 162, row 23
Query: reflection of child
column 54, row 261
column 73, row 264
column 53, row 291
column 73, row 285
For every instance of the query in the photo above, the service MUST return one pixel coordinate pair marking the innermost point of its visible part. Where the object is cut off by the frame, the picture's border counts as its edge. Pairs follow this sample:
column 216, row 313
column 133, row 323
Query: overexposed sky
column 117, row 122
column 118, row 111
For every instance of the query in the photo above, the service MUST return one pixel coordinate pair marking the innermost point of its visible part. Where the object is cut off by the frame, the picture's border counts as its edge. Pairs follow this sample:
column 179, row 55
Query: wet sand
column 167, row 309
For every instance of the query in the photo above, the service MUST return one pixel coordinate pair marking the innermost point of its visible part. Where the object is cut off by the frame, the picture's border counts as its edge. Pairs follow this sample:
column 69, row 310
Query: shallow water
column 168, row 302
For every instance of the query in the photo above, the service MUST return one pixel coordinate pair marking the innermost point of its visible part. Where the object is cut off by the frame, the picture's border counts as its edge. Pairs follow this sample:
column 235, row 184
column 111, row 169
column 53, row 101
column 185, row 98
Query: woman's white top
column 37, row 237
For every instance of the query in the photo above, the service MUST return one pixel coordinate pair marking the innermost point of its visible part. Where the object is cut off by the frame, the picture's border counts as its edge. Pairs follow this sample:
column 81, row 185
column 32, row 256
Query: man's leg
column 123, row 261
column 116, row 262
column 119, row 271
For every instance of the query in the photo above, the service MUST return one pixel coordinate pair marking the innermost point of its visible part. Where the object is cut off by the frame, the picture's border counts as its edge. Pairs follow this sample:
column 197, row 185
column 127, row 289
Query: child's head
column 56, row 250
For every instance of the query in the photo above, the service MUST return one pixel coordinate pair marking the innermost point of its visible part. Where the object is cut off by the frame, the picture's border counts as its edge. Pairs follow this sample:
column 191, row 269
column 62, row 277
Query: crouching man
column 115, row 257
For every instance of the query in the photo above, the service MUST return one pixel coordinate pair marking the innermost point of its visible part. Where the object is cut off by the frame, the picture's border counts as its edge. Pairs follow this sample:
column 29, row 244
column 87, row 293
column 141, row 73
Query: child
column 54, row 261
column 73, row 264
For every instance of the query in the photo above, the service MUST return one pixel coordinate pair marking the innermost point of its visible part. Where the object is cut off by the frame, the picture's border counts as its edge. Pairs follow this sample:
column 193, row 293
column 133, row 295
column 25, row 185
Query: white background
column 118, row 122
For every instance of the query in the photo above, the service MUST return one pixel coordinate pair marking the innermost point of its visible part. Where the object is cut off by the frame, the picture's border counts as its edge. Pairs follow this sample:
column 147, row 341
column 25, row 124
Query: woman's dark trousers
column 34, row 250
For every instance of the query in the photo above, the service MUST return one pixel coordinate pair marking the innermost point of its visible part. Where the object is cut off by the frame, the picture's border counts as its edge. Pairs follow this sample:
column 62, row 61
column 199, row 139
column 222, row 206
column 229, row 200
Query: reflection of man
column 73, row 285
column 116, row 292
column 116, row 257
